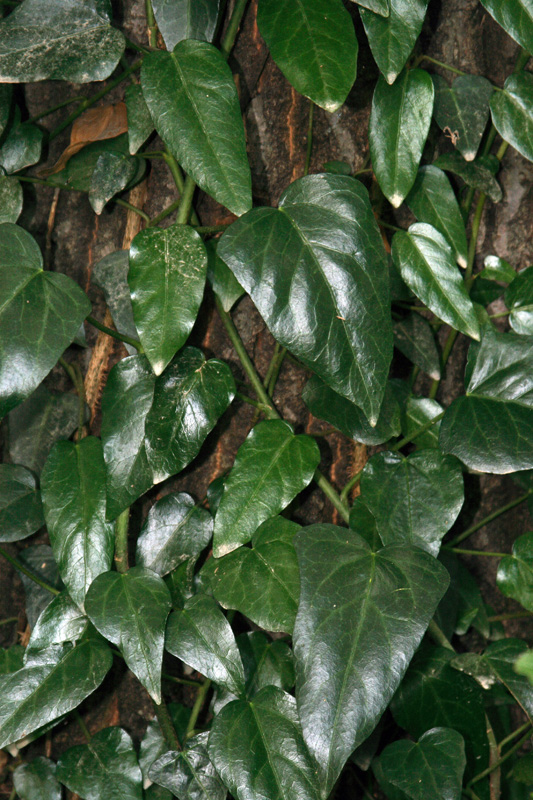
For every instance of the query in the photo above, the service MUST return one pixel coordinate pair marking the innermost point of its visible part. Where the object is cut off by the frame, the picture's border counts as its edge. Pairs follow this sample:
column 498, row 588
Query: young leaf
column 104, row 767
column 512, row 111
column 497, row 269
column 398, row 129
column 222, row 280
column 11, row 199
column 316, row 270
column 74, row 498
column 515, row 17
column 22, row 146
column 61, row 621
column 194, row 105
column 189, row 774
column 393, row 36
column 278, row 765
column 140, row 124
column 37, row 780
column 166, row 278
column 59, row 40
column 432, row 200
column 200, row 635
column 186, row 19
column 300, row 38
column 274, row 465
column 474, row 173
column 462, row 110
column 131, row 610
column 352, row 601
column 266, row 663
column 40, row 313
column 21, row 512
column 519, row 299
column 111, row 275
column 427, row 265
column 414, row 338
column 418, row 412
column 112, row 173
column 515, row 572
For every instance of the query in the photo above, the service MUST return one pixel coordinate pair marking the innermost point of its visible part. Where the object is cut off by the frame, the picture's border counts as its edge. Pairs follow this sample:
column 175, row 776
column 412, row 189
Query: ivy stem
column 28, row 573
column 121, row 337
column 233, row 27
column 73, row 371
column 165, row 213
column 419, row 431
column 81, row 725
column 389, row 226
column 151, row 24
column 185, row 206
column 489, row 518
column 121, row 541
column 254, row 403
column 309, row 150
column 513, row 615
column 474, row 552
column 448, row 345
column 197, row 707
column 8, row 620
column 167, row 726
column 514, row 734
column 42, row 114
column 438, row 64
column 497, row 764
column 130, row 207
column 476, row 222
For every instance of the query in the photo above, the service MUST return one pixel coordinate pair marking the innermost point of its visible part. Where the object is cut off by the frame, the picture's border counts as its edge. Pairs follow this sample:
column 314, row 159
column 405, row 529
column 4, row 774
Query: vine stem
column 121, row 541
column 73, row 371
column 438, row 64
column 130, row 207
column 28, row 573
column 167, row 726
column 197, row 707
column 233, row 27
column 474, row 552
column 489, row 518
column 121, row 337
column 151, row 24
column 497, row 764
column 81, row 724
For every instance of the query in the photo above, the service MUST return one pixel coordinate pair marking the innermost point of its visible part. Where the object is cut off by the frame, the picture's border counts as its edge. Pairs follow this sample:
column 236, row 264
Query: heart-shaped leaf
column 414, row 338
column 189, row 774
column 186, row 19
column 11, row 199
column 111, row 275
column 474, row 173
column 266, row 663
column 512, row 111
column 392, row 36
column 61, row 621
column 515, row 17
column 515, row 572
column 21, row 512
column 462, row 111
column 352, row 600
column 37, row 780
column 131, row 610
column 519, row 299
column 112, row 173
column 317, row 264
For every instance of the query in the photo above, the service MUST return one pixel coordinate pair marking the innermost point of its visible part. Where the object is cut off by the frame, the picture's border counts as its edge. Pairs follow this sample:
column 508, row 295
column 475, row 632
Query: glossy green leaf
column 189, row 774
column 167, row 275
column 266, row 663
column 200, row 635
column 180, row 582
column 515, row 572
column 326, row 404
column 462, row 110
column 21, row 512
column 140, row 124
column 11, row 199
column 59, row 40
column 427, row 265
column 224, row 283
column 80, row 167
column 194, row 105
column 104, row 767
column 485, row 292
column 512, row 110
column 519, row 299
column 261, row 581
column 314, row 45
column 39, row 559
column 316, row 270
column 55, row 682
column 189, row 398
column 111, row 275
column 22, row 146
column 274, row 465
column 515, row 17
column 365, row 612
column 61, row 621
column 414, row 338
column 524, row 665
column 393, row 37
column 414, row 500
column 418, row 412
column 432, row 767
column 175, row 530
column 37, row 780
column 112, row 173
column 398, row 129
column 186, row 19
column 11, row 658
column 432, row 200
column 363, row 523
column 74, row 499
column 154, row 744
column 40, row 313
column 474, row 173
column 278, row 764
column 497, row 269
column 379, row 6
column 131, row 610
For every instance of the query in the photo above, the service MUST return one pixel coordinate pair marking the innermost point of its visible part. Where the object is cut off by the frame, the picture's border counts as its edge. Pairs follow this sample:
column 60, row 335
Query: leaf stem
column 512, row 615
column 81, row 724
column 497, row 764
column 448, row 345
column 309, row 149
column 389, row 226
column 73, row 371
column 476, row 222
column 419, row 431
column 151, row 24
column 121, row 541
column 251, row 402
column 130, row 207
column 185, row 206
column 514, row 734
column 57, row 107
column 233, row 28
column 8, row 620
column 167, row 726
column 423, row 57
column 28, row 573
column 474, row 552
column 197, row 707
column 489, row 518
column 121, row 337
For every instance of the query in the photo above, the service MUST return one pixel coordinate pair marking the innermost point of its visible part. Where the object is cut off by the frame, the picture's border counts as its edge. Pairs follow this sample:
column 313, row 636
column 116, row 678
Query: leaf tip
column 470, row 155
column 390, row 77
column 461, row 260
column 396, row 200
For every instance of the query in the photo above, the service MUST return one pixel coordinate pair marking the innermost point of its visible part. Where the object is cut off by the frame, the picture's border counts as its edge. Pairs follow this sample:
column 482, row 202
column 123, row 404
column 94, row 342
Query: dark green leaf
column 272, row 465
column 154, row 744
column 379, row 6
column 427, row 265
column 180, row 582
column 59, row 40
column 362, row 522
column 512, row 110
column 432, row 767
column 61, row 621
column 40, row 561
column 314, row 45
column 414, row 338
column 105, row 767
column 167, row 275
column 523, row 769
column 266, row 663
column 224, row 283
column 365, row 612
column 393, row 37
column 189, row 774
column 462, row 110
column 316, row 270
column 186, row 19
column 200, row 635
column 175, row 530
column 474, row 173
column 337, row 167
column 6, row 96
column 485, row 292
column 278, row 764
column 11, row 199
column 37, row 780
column 55, row 682
column 497, row 269
column 80, row 167
column 21, row 512
column 193, row 101
column 111, row 275
column 515, row 572
column 432, row 200
column 22, row 146
column 140, row 124
column 398, row 129
column 11, row 658
column 74, row 499
column 418, row 412
column 40, row 313
column 515, row 17
column 112, row 173
column 519, row 299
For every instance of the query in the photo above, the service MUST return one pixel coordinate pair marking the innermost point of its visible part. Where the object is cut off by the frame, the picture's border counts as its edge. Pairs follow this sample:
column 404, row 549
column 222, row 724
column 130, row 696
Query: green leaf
column 474, row 173
column 186, row 19
column 274, row 465
column 22, row 146
column 37, row 780
column 512, row 111
column 524, row 665
column 80, row 167
column 523, row 769
column 418, row 412
column 316, row 270
column 485, row 292
column 105, row 767
column 21, row 512
column 140, row 124
column 167, row 275
column 40, row 313
column 314, row 45
column 223, row 282
column 131, row 610
column 40, row 561
column 74, row 498
column 398, row 129
column 52, row 684
column 414, row 338
column 393, row 37
column 427, row 265
column 278, row 764
column 432, row 767
column 266, row 663
column 519, row 299
column 6, row 97
column 194, row 105
column 112, row 173
column 497, row 269
column 189, row 774
column 515, row 17
column 462, row 110
column 432, row 200
column 326, row 404
column 61, row 621
column 11, row 658
column 175, row 530
column 189, row 398
column 59, row 40
column 515, row 572
column 365, row 612
column 11, row 199
column 379, row 6
column 154, row 744
column 111, row 275
column 200, row 635
column 261, row 582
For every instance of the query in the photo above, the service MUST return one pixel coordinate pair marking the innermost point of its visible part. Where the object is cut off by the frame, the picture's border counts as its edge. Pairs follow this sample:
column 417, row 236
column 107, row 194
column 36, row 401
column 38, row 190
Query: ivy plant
column 352, row 655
